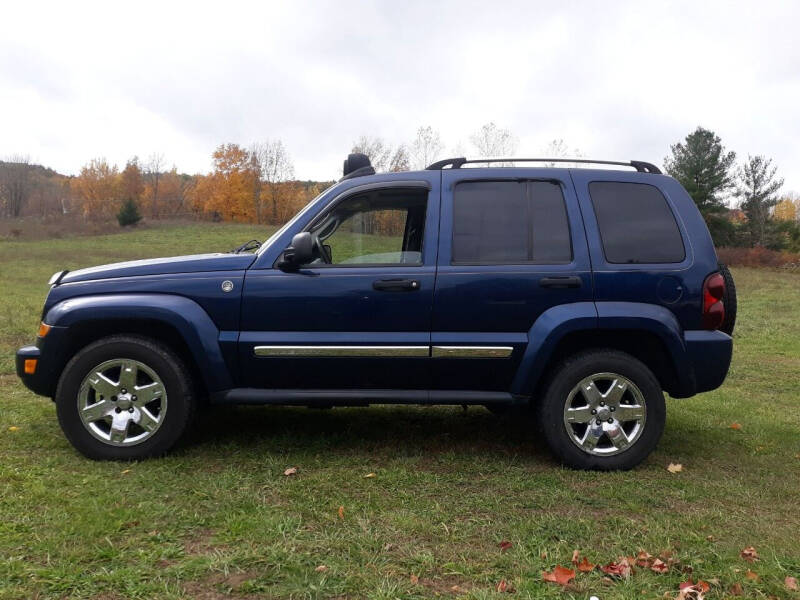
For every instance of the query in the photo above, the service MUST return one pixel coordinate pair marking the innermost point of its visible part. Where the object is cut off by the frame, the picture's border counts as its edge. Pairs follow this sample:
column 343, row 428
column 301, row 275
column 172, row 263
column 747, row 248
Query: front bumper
column 35, row 381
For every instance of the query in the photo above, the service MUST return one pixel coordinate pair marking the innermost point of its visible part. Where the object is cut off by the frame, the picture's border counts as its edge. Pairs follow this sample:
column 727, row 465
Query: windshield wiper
column 251, row 245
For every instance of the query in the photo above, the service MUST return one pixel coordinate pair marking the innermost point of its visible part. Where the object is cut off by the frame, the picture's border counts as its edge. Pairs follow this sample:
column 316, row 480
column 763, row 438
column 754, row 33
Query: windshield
column 291, row 221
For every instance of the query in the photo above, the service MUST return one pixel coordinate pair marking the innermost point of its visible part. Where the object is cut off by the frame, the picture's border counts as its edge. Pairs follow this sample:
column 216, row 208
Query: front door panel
column 349, row 323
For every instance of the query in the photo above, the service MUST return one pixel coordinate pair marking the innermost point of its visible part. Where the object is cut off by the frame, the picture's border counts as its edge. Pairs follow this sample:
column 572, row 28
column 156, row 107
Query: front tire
column 602, row 410
column 124, row 398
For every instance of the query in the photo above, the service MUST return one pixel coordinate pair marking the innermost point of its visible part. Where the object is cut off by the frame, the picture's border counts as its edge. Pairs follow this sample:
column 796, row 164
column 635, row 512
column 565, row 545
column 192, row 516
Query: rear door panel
column 480, row 305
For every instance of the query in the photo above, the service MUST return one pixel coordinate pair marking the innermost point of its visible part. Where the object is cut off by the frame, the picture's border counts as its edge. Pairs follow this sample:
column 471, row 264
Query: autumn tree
column 153, row 174
column 426, row 148
column 757, row 188
column 132, row 184
column 16, row 184
column 276, row 168
column 226, row 192
column 788, row 209
column 493, row 141
column 97, row 189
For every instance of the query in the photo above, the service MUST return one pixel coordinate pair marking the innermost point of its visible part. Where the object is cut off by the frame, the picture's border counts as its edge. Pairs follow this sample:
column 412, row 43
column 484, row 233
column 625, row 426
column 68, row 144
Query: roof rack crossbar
column 457, row 163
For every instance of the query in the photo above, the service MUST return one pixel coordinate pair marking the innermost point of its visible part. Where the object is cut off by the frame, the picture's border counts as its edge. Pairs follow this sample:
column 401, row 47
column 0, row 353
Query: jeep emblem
column 227, row 285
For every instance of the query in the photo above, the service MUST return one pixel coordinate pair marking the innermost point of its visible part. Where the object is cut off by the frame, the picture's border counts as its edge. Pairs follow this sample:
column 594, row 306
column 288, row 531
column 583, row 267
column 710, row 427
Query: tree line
column 741, row 202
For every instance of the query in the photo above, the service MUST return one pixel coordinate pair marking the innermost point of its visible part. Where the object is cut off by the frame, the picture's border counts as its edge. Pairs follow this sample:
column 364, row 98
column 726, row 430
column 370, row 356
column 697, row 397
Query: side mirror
column 299, row 252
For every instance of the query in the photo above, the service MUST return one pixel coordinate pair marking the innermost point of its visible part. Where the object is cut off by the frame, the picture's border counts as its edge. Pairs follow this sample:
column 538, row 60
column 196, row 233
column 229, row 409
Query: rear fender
column 557, row 322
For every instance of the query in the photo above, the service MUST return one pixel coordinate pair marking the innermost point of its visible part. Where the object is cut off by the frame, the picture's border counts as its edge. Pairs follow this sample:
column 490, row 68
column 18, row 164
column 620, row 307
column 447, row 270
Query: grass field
column 218, row 518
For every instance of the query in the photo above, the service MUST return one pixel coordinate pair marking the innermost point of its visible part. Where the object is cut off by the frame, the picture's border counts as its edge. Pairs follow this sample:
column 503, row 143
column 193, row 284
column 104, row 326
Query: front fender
column 555, row 323
column 184, row 315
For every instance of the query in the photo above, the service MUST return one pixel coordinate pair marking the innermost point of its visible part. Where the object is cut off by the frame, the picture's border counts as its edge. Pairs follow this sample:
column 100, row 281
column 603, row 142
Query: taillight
column 713, row 306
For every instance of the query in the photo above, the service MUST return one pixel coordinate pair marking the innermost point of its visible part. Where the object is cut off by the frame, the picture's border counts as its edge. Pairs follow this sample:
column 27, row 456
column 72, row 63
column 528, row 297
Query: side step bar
column 293, row 397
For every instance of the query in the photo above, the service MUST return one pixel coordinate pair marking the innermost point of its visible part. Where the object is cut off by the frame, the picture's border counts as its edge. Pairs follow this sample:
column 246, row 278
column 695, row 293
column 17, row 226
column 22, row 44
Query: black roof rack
column 457, row 163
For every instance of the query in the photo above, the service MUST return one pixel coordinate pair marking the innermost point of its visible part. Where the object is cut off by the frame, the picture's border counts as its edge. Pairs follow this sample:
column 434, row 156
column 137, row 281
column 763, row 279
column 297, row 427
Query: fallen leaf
column 692, row 591
column 126, row 471
column 341, row 512
column 502, row 586
column 644, row 559
column 752, row 575
column 13, row 428
column 575, row 556
column 585, row 566
column 370, row 476
column 290, row 471
column 790, row 583
column 455, row 589
column 675, row 467
column 321, row 569
column 388, row 547
column 621, row 568
column 543, row 555
column 736, row 589
column 560, row 575
column 735, row 426
column 414, row 579
column 659, row 566
column 749, row 554
column 505, row 545
column 710, row 538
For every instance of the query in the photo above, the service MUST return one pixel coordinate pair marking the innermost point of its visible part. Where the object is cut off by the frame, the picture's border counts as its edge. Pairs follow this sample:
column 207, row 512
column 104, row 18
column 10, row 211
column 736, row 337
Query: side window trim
column 528, row 192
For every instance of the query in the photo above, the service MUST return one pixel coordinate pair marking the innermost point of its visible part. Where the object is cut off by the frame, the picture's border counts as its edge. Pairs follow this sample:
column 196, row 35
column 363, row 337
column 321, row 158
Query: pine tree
column 757, row 189
column 704, row 168
column 129, row 213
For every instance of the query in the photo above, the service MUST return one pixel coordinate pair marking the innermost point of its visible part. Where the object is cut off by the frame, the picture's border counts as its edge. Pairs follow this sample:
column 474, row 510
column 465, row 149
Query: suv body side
column 457, row 307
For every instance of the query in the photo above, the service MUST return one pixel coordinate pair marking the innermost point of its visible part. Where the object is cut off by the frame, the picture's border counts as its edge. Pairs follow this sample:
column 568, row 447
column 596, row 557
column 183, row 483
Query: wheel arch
column 178, row 322
column 649, row 332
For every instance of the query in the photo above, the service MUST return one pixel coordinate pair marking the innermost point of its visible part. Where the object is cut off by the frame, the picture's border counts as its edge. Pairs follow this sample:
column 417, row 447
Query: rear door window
column 636, row 223
column 510, row 222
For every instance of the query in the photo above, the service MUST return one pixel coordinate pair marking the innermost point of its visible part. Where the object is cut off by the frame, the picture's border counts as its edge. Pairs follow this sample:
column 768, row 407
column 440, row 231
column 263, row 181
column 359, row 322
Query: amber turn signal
column 30, row 365
column 44, row 329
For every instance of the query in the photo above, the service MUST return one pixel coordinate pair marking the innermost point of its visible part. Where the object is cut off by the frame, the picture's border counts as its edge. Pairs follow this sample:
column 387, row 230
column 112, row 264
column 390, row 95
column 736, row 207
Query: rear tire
column 124, row 398
column 728, row 300
column 602, row 410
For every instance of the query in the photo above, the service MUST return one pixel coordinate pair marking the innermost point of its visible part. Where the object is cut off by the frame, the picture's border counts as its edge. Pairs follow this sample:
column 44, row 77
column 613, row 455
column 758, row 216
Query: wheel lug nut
column 118, row 410
column 594, row 412
column 130, row 410
column 134, row 399
column 598, row 421
column 611, row 420
column 124, row 391
column 612, row 408
column 601, row 403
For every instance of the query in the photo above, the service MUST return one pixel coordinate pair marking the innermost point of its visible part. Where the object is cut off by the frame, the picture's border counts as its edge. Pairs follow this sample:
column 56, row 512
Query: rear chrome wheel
column 601, row 409
column 604, row 414
column 122, row 402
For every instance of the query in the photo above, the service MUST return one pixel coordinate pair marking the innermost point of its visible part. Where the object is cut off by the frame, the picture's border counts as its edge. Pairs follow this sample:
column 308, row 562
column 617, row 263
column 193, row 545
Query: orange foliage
column 227, row 192
column 97, row 189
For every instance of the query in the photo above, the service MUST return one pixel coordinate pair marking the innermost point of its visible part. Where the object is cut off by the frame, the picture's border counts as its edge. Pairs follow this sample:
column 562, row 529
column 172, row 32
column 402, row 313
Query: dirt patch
column 219, row 585
column 447, row 584
column 200, row 543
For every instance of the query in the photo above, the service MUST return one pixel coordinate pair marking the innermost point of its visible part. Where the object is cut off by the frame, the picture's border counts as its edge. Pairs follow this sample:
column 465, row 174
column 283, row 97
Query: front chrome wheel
column 122, row 402
column 605, row 414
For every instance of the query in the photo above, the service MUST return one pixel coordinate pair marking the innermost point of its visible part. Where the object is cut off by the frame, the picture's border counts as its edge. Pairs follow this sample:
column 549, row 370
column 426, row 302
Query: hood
column 195, row 263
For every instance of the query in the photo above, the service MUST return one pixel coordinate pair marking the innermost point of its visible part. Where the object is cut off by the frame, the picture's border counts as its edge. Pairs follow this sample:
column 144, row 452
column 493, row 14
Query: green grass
column 218, row 517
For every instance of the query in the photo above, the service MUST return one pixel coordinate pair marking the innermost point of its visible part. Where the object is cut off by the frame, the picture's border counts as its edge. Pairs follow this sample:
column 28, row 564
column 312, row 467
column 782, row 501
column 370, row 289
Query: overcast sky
column 613, row 79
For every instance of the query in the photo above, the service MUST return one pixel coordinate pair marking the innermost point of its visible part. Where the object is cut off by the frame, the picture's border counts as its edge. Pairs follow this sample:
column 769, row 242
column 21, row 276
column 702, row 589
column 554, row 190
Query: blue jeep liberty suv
column 581, row 294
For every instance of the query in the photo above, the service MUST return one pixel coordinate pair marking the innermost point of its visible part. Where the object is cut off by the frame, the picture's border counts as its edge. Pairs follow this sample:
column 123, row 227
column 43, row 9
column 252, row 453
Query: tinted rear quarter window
column 510, row 222
column 636, row 223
